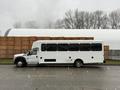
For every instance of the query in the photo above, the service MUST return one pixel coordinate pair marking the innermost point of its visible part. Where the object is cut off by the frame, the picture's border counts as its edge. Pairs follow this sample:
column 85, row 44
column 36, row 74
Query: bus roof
column 68, row 41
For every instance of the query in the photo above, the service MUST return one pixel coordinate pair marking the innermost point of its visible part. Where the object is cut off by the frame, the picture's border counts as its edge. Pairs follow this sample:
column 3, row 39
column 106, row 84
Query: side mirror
column 29, row 53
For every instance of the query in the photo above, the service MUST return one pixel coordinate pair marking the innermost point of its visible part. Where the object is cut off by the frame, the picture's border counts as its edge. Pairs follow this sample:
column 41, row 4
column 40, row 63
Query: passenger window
column 73, row 47
column 51, row 47
column 62, row 47
column 43, row 47
column 96, row 47
column 85, row 47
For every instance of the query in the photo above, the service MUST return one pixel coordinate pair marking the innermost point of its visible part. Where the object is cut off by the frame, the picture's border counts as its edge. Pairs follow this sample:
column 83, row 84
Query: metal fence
column 114, row 54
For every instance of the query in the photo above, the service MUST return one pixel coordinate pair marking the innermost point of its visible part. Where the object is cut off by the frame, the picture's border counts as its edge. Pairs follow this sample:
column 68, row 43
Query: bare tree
column 98, row 15
column 76, row 20
column 69, row 20
column 79, row 19
column 82, row 20
column 114, row 18
column 90, row 20
column 105, row 22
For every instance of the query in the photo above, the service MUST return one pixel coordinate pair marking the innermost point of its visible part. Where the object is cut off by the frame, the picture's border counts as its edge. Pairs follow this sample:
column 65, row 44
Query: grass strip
column 6, row 61
column 114, row 62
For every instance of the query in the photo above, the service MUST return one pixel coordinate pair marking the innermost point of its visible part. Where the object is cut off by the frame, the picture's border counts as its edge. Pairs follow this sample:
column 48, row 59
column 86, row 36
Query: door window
column 34, row 51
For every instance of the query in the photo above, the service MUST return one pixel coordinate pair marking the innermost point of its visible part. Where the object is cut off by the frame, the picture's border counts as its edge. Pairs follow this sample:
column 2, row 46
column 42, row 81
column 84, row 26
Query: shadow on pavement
column 62, row 66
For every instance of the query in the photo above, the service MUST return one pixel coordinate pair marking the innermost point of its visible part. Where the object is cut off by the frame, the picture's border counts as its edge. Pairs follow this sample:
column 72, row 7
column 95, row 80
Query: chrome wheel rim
column 78, row 64
column 19, row 64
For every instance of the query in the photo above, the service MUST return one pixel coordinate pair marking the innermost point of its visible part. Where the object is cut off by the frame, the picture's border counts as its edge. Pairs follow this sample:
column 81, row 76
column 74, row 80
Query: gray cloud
column 45, row 11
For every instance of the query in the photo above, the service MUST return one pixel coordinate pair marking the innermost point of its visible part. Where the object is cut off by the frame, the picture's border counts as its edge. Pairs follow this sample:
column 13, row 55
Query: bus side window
column 43, row 47
column 74, row 47
column 84, row 47
column 63, row 47
column 51, row 47
column 96, row 47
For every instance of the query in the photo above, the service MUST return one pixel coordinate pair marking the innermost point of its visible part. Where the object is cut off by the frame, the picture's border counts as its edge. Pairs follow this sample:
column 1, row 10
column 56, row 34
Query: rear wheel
column 78, row 63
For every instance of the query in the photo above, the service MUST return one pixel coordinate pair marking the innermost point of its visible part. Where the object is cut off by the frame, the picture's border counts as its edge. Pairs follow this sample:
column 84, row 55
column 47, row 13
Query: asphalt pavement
column 60, row 78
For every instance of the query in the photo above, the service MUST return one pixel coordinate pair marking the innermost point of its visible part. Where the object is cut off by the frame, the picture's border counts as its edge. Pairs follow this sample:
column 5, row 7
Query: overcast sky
column 47, row 10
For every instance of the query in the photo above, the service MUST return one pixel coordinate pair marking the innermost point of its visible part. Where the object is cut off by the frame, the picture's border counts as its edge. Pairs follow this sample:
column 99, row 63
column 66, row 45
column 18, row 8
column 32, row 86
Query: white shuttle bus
column 76, row 52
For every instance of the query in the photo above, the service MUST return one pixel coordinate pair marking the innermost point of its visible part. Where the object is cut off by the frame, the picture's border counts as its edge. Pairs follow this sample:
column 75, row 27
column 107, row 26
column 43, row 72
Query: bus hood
column 17, row 55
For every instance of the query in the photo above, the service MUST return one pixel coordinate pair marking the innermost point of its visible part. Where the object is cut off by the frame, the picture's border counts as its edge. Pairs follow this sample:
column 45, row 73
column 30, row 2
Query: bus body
column 77, row 52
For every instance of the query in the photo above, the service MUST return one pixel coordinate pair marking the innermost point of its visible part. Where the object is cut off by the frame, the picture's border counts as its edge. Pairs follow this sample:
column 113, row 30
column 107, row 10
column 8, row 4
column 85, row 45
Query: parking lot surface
column 60, row 78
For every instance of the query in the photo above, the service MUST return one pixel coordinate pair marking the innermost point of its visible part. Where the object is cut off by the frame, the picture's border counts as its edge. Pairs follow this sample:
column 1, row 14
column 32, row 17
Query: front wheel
column 78, row 63
column 20, row 63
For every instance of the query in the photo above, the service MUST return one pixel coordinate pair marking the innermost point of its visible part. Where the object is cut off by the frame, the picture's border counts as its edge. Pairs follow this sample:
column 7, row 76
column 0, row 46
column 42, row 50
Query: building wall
column 106, row 52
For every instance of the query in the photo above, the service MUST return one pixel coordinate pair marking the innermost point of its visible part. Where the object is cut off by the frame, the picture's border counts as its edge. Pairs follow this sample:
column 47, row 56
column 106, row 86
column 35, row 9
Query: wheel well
column 19, row 59
column 79, row 60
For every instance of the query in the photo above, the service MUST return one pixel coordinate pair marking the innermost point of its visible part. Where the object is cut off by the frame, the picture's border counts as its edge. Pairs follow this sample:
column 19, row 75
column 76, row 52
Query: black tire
column 20, row 63
column 78, row 63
